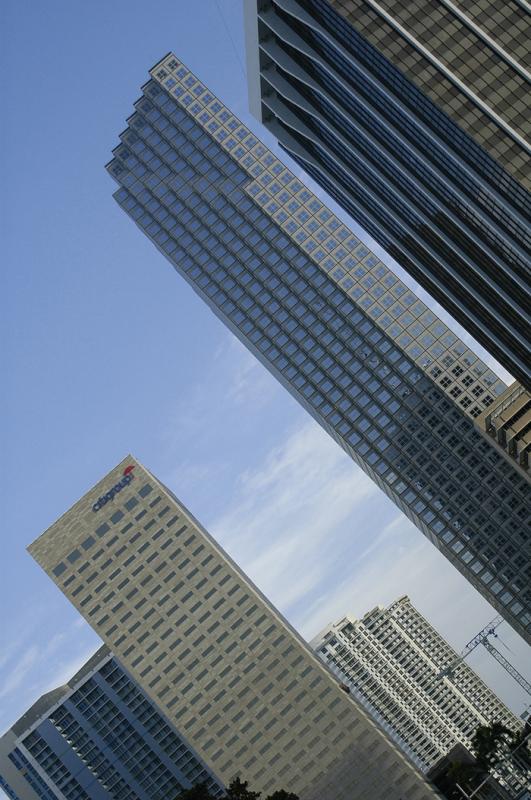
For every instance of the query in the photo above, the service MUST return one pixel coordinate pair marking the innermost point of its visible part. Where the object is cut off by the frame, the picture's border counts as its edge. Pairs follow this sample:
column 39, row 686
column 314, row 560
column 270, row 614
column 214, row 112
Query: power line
column 227, row 28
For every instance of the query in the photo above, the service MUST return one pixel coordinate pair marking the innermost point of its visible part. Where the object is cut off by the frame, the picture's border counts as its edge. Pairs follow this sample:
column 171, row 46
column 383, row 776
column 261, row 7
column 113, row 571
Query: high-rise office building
column 413, row 116
column 99, row 737
column 392, row 660
column 361, row 353
column 508, row 423
column 242, row 688
column 470, row 59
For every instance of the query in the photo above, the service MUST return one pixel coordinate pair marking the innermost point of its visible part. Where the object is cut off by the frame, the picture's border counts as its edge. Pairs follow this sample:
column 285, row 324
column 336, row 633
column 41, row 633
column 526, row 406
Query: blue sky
column 108, row 351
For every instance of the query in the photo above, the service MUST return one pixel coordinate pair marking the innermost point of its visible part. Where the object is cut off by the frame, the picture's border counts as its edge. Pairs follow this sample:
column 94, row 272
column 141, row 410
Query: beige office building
column 209, row 649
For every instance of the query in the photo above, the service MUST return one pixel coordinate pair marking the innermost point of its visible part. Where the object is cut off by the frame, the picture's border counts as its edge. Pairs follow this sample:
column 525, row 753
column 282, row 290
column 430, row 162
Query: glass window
column 89, row 541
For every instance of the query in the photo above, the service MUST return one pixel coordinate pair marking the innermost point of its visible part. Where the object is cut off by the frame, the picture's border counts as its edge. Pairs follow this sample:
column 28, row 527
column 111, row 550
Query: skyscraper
column 392, row 659
column 99, row 737
column 362, row 354
column 508, row 423
column 426, row 148
column 243, row 689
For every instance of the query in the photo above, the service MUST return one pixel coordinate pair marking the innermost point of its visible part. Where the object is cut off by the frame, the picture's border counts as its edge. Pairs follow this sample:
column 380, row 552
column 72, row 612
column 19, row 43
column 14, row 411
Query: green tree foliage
column 238, row 790
column 491, row 743
column 522, row 741
column 197, row 792
column 468, row 776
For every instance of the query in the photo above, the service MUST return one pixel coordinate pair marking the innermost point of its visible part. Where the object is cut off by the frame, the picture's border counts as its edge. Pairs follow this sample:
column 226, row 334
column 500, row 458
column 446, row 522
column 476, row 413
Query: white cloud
column 321, row 540
column 19, row 670
column 65, row 668
column 38, row 663
column 231, row 378
column 285, row 513
column 247, row 379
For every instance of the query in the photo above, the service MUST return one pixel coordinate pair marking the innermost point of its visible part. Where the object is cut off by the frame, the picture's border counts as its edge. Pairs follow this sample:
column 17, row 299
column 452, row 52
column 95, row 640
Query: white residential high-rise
column 243, row 689
column 392, row 661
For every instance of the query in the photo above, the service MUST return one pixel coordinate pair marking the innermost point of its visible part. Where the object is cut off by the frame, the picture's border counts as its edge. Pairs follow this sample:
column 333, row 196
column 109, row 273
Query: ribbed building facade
column 246, row 693
column 413, row 117
column 98, row 738
column 361, row 353
column 508, row 423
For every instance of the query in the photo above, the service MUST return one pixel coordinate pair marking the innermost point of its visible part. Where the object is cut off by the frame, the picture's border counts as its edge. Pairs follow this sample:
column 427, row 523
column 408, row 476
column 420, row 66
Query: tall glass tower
column 367, row 359
column 413, row 116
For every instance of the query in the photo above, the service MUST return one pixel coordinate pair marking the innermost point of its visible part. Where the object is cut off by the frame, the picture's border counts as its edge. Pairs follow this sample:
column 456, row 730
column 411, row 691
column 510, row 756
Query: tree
column 521, row 743
column 197, row 792
column 491, row 743
column 238, row 790
column 468, row 776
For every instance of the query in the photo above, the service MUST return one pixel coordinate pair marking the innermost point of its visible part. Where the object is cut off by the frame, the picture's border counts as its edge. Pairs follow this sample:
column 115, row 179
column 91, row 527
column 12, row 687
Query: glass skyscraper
column 98, row 738
column 414, row 118
column 368, row 360
column 245, row 692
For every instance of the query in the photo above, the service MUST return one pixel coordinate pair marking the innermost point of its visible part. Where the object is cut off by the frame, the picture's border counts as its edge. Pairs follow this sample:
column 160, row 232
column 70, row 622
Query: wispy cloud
column 248, row 380
column 231, row 378
column 320, row 540
column 66, row 668
column 285, row 513
column 19, row 670
column 40, row 663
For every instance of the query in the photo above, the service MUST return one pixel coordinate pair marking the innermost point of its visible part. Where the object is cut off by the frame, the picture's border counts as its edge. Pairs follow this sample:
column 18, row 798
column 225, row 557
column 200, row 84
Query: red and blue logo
column 127, row 478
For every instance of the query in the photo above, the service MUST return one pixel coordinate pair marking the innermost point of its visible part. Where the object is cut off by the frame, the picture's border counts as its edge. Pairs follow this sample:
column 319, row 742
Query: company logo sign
column 127, row 478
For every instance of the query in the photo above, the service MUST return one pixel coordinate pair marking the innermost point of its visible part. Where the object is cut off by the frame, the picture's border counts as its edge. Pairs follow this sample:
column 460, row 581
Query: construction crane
column 488, row 630
column 507, row 666
column 482, row 638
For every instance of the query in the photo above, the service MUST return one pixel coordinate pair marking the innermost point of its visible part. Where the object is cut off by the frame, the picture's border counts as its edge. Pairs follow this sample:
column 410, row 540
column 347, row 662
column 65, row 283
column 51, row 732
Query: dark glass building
column 366, row 358
column 98, row 738
column 412, row 116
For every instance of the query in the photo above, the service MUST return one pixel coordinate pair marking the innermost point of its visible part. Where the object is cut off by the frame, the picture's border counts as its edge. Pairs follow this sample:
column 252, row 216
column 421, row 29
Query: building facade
column 508, row 423
column 392, row 659
column 224, row 667
column 443, row 776
column 98, row 738
column 361, row 353
column 427, row 149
